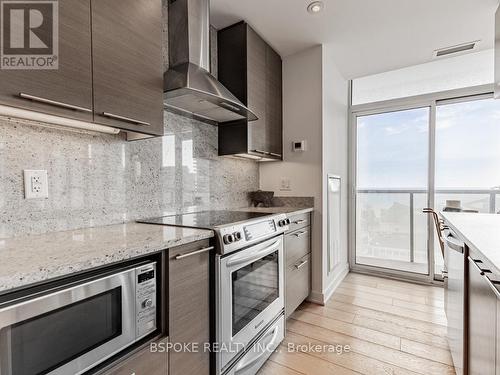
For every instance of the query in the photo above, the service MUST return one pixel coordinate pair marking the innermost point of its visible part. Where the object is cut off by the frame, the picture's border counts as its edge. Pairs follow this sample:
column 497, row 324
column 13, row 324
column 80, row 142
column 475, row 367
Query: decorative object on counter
column 453, row 206
column 264, row 197
column 456, row 206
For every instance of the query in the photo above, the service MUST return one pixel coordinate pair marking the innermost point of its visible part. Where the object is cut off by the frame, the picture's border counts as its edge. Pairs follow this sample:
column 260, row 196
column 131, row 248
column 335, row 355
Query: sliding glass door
column 467, row 158
column 443, row 154
column 392, row 162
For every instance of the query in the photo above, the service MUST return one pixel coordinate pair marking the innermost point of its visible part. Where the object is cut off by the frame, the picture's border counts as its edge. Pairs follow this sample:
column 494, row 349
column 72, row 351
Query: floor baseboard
column 321, row 298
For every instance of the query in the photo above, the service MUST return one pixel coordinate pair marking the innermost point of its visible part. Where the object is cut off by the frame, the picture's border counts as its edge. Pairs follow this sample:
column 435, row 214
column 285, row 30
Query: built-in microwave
column 72, row 328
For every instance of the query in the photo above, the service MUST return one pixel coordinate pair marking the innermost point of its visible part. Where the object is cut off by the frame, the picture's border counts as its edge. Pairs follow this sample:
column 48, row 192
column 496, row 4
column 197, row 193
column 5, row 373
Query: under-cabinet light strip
column 55, row 120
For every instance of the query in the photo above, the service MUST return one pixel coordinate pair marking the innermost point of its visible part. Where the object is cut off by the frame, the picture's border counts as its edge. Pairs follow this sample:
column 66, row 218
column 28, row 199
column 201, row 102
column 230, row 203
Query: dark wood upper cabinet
column 252, row 71
column 109, row 67
column 274, row 102
column 127, row 68
column 66, row 91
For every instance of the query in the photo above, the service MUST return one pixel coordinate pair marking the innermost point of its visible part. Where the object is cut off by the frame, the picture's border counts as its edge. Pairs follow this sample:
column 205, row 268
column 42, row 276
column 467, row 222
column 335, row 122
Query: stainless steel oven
column 73, row 328
column 250, row 295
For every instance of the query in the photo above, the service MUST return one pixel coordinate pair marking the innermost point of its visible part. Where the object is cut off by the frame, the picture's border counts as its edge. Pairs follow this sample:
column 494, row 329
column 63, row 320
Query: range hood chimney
column 189, row 88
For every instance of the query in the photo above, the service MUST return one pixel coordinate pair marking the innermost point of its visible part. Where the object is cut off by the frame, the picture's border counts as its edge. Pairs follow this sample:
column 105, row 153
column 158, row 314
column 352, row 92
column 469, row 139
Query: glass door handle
column 438, row 226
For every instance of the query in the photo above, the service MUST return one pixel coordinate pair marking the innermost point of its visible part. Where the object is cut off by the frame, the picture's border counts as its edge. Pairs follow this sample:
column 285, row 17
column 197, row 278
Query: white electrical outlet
column 285, row 184
column 35, row 184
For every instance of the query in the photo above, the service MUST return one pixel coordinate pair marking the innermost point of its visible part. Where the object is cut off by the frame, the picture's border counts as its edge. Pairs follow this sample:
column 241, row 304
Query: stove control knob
column 228, row 239
column 281, row 223
column 237, row 236
column 287, row 221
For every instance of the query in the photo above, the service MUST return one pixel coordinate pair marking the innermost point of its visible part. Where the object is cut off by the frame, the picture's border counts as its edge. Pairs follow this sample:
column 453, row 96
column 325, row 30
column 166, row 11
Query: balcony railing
column 480, row 200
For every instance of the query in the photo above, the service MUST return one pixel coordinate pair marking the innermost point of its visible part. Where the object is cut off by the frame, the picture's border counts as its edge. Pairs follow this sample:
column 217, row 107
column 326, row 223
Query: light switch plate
column 298, row 146
column 35, row 184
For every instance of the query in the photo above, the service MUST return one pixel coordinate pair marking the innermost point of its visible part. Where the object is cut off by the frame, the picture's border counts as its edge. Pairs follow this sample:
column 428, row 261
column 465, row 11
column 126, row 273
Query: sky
column 393, row 147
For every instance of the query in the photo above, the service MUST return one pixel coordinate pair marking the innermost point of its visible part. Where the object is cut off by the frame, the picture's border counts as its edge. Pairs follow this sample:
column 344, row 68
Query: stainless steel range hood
column 189, row 89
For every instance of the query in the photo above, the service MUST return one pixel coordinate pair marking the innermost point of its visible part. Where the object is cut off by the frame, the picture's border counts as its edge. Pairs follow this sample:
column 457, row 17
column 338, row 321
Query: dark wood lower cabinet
column 144, row 362
column 189, row 308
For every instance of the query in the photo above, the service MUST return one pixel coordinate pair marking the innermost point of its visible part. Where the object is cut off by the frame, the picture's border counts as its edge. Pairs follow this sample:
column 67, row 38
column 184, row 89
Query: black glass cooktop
column 205, row 219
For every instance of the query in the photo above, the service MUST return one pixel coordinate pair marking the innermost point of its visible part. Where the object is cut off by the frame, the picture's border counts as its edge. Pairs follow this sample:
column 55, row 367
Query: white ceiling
column 369, row 36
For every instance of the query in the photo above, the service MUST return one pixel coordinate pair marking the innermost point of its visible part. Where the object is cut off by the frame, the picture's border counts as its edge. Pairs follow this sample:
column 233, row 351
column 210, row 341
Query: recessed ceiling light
column 315, row 7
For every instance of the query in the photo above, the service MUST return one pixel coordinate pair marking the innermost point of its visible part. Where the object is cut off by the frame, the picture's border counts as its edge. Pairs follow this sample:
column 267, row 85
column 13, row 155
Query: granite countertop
column 279, row 210
column 481, row 233
column 33, row 259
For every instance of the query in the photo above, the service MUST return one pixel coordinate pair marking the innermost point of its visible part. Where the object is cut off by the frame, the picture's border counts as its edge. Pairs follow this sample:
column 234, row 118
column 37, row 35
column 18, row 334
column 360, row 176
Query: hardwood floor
column 370, row 326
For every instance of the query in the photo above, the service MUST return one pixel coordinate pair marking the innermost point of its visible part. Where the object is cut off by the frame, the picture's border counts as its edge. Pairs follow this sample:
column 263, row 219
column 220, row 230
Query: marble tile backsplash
column 97, row 179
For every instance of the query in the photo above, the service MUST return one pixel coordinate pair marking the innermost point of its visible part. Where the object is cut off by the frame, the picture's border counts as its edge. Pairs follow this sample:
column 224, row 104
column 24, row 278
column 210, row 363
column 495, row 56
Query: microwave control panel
column 145, row 297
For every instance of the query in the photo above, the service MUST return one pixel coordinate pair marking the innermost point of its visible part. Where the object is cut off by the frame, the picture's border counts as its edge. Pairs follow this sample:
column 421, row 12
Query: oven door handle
column 255, row 256
column 244, row 365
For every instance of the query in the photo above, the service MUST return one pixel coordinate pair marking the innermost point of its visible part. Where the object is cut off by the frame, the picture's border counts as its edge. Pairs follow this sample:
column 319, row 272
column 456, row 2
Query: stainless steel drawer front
column 299, row 221
column 298, row 284
column 262, row 349
column 297, row 245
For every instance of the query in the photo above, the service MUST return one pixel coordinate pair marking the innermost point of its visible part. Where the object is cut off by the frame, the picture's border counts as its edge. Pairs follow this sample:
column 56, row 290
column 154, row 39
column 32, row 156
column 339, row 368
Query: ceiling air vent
column 455, row 50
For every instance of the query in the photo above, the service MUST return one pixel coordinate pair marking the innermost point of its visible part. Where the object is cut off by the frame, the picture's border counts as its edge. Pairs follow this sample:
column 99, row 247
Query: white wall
column 314, row 110
column 302, row 120
column 335, row 161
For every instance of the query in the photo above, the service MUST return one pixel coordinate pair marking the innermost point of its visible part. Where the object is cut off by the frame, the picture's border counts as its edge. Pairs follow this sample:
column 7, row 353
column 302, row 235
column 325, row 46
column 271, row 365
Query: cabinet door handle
column 300, row 234
column 53, row 102
column 492, row 285
column 261, row 152
column 453, row 244
column 300, row 221
column 266, row 153
column 127, row 119
column 301, row 264
column 182, row 256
